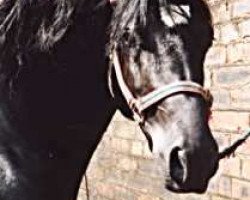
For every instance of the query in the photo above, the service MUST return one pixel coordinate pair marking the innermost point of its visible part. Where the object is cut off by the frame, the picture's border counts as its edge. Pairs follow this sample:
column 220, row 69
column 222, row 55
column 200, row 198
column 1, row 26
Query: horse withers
column 157, row 49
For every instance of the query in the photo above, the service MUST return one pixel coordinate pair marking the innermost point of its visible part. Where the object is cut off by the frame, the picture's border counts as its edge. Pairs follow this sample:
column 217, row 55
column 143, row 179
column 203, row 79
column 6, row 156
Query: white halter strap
column 139, row 104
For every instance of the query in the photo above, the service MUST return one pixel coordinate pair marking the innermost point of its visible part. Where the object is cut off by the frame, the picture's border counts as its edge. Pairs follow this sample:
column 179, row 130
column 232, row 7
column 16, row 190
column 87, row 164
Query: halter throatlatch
column 140, row 104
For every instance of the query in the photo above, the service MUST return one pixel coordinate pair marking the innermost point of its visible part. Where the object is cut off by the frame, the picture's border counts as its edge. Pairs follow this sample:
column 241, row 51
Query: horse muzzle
column 190, row 171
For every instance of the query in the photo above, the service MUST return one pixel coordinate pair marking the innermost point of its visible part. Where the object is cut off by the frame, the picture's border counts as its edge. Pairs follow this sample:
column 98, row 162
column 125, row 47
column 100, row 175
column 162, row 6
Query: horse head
column 157, row 51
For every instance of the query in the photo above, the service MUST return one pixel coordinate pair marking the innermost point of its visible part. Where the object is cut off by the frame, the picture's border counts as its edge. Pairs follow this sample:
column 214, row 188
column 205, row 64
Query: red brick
column 241, row 8
column 105, row 190
column 229, row 120
column 96, row 173
column 220, row 13
column 241, row 189
column 222, row 98
column 126, row 163
column 231, row 166
column 216, row 56
column 213, row 186
column 246, row 169
column 244, row 28
column 238, row 53
column 124, row 129
column 137, row 148
column 241, row 98
column 225, row 186
column 120, row 145
column 229, row 33
column 231, row 77
column 123, row 193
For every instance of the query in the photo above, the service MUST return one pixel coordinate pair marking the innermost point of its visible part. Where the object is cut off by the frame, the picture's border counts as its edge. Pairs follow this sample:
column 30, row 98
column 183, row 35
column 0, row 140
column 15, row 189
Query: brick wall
column 124, row 169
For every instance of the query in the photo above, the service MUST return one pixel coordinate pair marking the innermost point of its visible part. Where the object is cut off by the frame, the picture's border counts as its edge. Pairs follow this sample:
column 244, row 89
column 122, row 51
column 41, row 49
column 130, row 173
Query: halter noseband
column 139, row 104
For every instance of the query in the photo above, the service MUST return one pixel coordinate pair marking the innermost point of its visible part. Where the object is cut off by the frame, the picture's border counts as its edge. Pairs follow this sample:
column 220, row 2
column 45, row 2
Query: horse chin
column 183, row 188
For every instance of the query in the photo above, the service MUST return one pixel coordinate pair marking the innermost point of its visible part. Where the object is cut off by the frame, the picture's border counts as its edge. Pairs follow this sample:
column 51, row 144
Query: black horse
column 55, row 102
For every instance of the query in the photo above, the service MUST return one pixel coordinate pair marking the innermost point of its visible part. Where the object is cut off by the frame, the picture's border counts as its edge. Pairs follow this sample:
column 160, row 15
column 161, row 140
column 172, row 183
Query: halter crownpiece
column 140, row 104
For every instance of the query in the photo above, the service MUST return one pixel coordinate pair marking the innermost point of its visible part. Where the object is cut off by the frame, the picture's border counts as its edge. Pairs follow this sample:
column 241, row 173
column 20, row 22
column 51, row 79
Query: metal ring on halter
column 137, row 115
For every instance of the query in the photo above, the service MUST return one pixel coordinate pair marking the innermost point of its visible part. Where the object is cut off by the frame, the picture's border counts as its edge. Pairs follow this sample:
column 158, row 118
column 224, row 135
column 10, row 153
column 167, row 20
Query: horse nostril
column 178, row 165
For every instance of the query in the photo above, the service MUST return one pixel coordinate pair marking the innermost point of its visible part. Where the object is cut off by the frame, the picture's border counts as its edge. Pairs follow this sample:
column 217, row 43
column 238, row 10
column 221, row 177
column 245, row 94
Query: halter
column 140, row 104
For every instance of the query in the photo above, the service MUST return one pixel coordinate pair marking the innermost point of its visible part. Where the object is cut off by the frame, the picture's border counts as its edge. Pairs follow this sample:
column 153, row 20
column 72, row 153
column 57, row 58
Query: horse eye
column 150, row 112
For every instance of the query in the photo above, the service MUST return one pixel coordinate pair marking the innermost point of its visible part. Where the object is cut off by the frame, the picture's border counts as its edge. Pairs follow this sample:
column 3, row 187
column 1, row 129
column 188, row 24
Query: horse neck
column 44, row 150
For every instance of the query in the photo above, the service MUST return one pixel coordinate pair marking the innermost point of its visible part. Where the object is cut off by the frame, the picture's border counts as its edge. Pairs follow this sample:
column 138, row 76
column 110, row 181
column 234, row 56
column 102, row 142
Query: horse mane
column 29, row 27
column 34, row 22
column 135, row 14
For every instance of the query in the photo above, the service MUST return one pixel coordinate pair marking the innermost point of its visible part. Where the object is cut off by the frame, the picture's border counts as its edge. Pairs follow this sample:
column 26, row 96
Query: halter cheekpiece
column 140, row 104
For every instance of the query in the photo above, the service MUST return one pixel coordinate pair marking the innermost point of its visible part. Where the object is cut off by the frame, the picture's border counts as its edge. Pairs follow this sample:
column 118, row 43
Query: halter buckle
column 134, row 105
